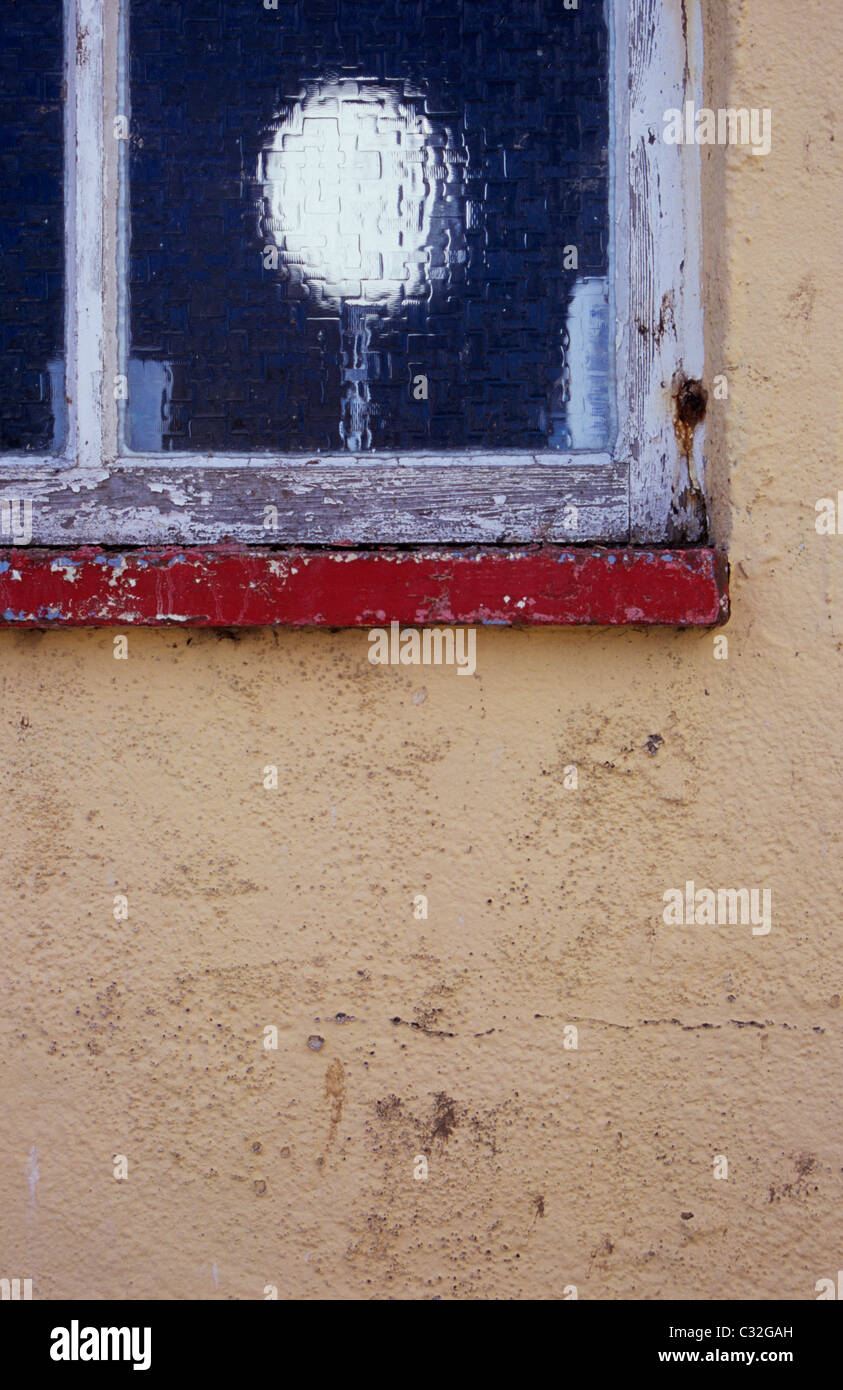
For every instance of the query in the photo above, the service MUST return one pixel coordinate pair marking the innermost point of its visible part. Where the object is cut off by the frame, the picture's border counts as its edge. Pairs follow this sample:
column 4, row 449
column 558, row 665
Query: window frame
column 645, row 491
column 493, row 528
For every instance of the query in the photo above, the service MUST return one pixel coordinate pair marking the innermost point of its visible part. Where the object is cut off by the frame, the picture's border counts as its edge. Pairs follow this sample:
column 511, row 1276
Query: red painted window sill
column 239, row 586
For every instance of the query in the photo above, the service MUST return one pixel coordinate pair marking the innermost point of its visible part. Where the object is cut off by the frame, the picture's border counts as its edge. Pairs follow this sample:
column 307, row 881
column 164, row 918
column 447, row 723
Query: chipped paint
column 236, row 586
column 65, row 567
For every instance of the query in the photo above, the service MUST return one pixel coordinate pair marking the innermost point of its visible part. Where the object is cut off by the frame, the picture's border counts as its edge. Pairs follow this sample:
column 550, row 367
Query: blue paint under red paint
column 237, row 586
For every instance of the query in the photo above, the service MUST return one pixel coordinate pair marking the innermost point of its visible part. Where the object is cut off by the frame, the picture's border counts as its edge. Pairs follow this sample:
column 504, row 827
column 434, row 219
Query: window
column 32, row 416
column 355, row 273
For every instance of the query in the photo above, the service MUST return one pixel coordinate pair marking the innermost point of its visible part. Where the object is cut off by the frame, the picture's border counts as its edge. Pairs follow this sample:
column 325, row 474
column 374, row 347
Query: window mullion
column 85, row 205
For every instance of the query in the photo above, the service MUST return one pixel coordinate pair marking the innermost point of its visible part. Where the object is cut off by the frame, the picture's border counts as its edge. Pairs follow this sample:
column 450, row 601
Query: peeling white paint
column 174, row 493
column 117, row 571
column 65, row 567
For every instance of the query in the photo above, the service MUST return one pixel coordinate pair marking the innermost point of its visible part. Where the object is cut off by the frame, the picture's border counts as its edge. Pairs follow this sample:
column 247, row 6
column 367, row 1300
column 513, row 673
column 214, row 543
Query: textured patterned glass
column 368, row 225
column 32, row 395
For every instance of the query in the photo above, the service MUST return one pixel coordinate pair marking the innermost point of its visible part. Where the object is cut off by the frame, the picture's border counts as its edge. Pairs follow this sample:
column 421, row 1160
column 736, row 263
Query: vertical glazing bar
column 70, row 324
column 122, row 241
column 87, row 71
column 614, row 136
column 115, row 142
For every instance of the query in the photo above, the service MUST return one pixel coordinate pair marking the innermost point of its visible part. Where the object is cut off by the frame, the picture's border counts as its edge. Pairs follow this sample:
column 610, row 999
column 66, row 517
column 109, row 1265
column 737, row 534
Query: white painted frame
column 645, row 491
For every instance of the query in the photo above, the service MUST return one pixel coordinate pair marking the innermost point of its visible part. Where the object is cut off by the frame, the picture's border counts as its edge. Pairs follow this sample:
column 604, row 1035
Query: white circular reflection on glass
column 349, row 184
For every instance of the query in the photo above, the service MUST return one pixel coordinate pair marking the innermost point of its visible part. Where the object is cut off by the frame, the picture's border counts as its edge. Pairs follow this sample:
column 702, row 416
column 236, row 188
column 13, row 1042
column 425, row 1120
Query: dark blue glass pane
column 368, row 224
column 32, row 397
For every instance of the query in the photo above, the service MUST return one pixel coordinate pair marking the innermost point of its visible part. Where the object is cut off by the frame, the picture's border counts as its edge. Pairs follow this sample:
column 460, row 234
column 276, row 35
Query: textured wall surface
column 444, row 1037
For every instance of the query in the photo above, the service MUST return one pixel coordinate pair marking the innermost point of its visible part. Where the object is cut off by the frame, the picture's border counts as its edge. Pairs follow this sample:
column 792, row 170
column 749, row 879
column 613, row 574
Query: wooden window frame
column 647, row 492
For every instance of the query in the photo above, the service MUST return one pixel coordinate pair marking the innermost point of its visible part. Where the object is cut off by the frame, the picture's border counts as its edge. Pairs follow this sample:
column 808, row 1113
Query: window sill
column 237, row 586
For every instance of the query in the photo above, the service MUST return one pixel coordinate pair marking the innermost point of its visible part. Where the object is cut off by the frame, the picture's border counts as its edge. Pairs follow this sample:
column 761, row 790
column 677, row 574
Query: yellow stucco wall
column 548, row 1166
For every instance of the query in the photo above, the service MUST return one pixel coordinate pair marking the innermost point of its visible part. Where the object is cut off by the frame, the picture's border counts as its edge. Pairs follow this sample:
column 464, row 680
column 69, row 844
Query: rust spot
column 81, row 47
column 690, row 400
column 444, row 1116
